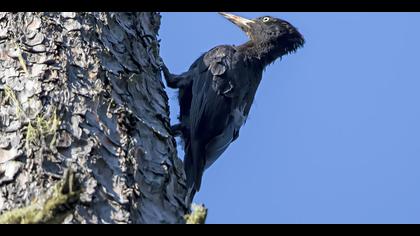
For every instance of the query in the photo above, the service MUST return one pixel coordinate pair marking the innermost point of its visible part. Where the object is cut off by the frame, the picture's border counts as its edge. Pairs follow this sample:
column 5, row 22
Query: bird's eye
column 266, row 19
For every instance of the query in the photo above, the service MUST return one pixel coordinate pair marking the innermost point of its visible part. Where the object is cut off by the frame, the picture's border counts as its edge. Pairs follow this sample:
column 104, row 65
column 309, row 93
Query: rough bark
column 83, row 91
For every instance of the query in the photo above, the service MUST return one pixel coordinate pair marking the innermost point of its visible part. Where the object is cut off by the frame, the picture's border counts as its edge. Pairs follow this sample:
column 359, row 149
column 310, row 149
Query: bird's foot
column 176, row 130
column 172, row 80
column 163, row 67
column 169, row 78
column 159, row 62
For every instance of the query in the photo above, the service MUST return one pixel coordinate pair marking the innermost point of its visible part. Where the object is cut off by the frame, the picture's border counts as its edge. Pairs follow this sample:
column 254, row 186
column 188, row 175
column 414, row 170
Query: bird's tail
column 189, row 172
column 194, row 167
column 190, row 196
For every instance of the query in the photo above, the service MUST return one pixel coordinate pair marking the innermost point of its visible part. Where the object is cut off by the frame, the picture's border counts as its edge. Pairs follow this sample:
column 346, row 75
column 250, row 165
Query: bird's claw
column 162, row 66
column 160, row 63
column 176, row 130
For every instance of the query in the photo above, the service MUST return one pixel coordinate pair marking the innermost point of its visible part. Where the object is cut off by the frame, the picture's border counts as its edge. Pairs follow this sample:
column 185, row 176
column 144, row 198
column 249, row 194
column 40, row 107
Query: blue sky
column 334, row 132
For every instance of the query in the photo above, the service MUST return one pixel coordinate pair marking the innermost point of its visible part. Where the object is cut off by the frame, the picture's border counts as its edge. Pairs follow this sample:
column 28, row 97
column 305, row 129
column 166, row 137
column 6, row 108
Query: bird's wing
column 221, row 142
column 210, row 108
column 218, row 61
column 215, row 118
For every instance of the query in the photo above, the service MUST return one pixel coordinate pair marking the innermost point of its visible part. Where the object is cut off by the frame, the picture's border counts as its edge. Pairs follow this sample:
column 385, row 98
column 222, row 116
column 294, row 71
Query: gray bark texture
column 83, row 91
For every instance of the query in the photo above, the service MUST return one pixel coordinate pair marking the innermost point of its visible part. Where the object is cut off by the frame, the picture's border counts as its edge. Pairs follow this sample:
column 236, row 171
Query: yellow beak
column 243, row 23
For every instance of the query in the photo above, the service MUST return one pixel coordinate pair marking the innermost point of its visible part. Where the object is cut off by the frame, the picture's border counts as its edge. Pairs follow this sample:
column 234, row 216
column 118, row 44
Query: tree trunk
column 81, row 96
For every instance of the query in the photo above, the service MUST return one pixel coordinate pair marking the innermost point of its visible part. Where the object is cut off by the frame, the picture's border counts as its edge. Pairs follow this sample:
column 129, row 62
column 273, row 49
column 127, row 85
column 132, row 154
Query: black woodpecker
column 216, row 93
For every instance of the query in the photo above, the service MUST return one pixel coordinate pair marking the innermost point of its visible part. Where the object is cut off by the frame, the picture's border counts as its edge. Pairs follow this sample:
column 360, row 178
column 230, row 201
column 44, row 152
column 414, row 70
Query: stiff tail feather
column 194, row 167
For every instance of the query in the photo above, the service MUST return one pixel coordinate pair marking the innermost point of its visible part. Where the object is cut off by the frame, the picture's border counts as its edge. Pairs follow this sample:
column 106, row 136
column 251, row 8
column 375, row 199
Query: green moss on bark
column 197, row 216
column 50, row 208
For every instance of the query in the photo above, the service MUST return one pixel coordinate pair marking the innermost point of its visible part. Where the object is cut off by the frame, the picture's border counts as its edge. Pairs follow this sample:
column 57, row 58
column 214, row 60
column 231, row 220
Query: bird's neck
column 262, row 52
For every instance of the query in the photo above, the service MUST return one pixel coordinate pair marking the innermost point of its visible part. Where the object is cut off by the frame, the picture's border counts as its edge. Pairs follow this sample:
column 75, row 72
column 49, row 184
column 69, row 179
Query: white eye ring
column 265, row 19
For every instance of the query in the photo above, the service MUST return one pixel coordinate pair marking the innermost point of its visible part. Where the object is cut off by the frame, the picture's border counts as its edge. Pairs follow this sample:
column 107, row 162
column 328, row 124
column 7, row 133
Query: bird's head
column 268, row 30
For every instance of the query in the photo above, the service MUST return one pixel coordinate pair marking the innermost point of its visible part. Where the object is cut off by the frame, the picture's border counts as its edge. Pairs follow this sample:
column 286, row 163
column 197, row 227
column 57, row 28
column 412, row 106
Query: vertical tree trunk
column 83, row 91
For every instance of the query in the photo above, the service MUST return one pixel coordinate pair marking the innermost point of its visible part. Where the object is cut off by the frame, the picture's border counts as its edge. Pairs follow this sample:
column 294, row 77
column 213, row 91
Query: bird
column 216, row 93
